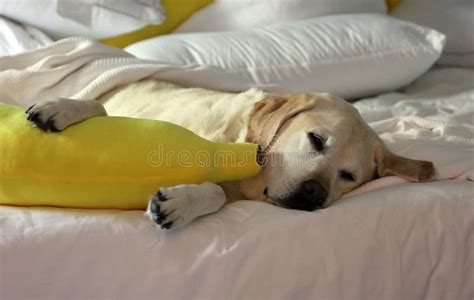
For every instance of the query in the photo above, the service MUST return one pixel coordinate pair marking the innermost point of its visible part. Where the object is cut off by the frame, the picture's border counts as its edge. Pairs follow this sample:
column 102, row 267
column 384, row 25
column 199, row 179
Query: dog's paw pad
column 27, row 111
column 154, row 207
column 170, row 208
column 174, row 207
column 167, row 225
column 47, row 116
column 160, row 196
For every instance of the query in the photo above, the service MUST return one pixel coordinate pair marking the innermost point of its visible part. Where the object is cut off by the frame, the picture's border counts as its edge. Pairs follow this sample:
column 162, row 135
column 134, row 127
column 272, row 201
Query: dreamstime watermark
column 202, row 158
column 226, row 158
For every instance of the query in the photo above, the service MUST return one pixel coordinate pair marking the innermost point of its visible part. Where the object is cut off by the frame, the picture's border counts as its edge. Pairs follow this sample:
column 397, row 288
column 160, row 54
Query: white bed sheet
column 395, row 241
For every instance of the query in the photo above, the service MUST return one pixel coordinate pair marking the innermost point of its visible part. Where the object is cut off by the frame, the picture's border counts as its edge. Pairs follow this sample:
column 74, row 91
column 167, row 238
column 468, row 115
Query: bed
column 388, row 239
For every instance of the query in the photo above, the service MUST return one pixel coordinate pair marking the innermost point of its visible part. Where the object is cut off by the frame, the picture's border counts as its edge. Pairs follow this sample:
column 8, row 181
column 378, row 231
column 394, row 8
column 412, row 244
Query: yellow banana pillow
column 177, row 11
column 109, row 162
column 392, row 4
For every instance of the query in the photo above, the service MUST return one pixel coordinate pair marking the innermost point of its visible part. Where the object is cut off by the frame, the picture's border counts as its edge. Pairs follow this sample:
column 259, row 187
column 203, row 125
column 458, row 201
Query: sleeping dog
column 316, row 146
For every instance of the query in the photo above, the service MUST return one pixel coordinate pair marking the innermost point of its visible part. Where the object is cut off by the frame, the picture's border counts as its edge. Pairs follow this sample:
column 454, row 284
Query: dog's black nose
column 310, row 196
column 312, row 187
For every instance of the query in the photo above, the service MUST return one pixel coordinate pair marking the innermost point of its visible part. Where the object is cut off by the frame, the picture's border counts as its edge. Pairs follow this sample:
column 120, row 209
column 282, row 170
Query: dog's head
column 317, row 147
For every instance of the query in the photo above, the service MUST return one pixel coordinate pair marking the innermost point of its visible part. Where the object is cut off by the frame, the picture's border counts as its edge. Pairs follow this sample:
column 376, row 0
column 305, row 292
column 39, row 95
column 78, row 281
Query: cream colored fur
column 217, row 116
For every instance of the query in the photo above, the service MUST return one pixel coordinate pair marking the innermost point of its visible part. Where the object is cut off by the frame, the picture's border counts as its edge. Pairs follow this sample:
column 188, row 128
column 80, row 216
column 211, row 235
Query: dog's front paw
column 174, row 207
column 56, row 115
column 170, row 208
column 44, row 116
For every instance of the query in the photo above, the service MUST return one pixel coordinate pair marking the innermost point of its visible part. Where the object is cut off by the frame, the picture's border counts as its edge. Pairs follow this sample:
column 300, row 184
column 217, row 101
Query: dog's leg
column 58, row 114
column 177, row 206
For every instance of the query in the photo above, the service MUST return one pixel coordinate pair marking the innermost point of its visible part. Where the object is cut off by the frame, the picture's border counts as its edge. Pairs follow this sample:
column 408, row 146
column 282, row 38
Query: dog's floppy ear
column 269, row 114
column 406, row 168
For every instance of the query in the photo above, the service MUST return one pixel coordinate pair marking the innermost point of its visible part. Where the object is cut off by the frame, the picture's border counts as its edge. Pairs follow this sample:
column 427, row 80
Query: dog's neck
column 218, row 116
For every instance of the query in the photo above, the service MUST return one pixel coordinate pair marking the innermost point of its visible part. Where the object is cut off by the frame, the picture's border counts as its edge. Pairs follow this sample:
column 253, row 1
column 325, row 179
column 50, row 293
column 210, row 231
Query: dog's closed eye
column 317, row 141
column 347, row 176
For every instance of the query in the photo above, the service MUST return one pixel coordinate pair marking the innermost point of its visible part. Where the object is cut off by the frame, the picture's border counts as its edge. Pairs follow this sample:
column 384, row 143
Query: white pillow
column 347, row 55
column 225, row 15
column 15, row 38
column 454, row 18
column 91, row 18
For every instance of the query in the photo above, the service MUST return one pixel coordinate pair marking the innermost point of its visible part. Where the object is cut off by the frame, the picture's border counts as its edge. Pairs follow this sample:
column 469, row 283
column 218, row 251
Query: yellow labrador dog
column 316, row 146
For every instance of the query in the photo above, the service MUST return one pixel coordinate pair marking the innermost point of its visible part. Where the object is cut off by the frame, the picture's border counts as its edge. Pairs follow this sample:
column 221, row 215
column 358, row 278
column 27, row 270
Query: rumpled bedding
column 16, row 38
column 388, row 239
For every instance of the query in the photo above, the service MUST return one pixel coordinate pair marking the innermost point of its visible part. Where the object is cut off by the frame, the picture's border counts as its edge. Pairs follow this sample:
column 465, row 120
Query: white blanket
column 387, row 240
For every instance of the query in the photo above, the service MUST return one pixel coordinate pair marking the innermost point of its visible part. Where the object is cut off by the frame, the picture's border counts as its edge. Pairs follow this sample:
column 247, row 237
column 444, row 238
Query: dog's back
column 214, row 115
